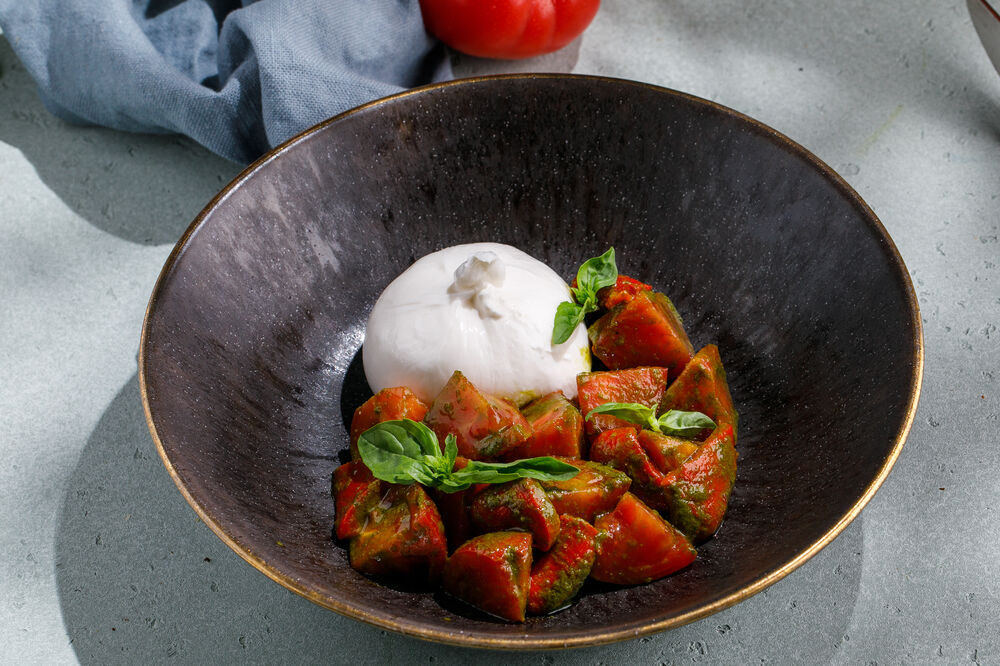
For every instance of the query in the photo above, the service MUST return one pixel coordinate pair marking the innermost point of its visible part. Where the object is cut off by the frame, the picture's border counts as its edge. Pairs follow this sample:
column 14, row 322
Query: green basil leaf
column 554, row 470
column 450, row 452
column 426, row 438
column 568, row 317
column 594, row 274
column 400, row 452
column 449, row 484
column 597, row 273
column 683, row 424
column 544, row 468
column 406, row 451
column 633, row 412
column 393, row 467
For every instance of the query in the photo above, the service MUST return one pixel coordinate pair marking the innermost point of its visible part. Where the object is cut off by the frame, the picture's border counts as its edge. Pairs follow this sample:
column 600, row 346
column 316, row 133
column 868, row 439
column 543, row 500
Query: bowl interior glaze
column 250, row 364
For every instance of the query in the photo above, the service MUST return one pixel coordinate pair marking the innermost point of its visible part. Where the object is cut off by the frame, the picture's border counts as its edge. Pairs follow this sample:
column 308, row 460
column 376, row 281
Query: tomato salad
column 511, row 510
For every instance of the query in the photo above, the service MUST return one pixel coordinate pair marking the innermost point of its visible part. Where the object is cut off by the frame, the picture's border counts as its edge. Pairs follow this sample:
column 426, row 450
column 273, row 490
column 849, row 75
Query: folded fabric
column 237, row 77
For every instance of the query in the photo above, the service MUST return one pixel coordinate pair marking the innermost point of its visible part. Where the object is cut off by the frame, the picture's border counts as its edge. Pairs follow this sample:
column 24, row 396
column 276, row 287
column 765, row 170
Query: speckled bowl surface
column 250, row 363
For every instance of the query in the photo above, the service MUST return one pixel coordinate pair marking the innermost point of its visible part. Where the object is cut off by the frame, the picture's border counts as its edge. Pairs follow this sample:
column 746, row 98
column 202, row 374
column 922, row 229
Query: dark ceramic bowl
column 250, row 363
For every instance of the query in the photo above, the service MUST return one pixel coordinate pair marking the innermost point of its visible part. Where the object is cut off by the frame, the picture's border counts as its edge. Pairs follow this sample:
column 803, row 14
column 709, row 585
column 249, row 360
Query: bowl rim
column 531, row 642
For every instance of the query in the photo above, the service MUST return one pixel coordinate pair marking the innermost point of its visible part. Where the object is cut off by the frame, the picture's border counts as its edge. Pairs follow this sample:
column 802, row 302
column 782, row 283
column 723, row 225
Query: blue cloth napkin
column 238, row 77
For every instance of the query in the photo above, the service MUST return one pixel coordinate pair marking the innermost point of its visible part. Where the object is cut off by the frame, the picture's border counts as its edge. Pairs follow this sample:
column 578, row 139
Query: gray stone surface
column 102, row 561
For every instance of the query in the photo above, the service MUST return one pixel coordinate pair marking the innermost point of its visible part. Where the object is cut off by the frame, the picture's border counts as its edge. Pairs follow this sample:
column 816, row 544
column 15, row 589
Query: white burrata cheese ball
column 486, row 309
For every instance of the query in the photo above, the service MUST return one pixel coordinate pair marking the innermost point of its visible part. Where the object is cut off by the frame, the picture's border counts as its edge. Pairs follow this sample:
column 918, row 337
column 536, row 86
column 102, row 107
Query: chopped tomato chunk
column 484, row 426
column 620, row 448
column 643, row 331
column 403, row 536
column 556, row 429
column 596, row 489
column 635, row 545
column 622, row 291
column 391, row 404
column 355, row 493
column 517, row 504
column 492, row 572
column 666, row 452
column 557, row 575
column 642, row 385
column 702, row 388
column 696, row 494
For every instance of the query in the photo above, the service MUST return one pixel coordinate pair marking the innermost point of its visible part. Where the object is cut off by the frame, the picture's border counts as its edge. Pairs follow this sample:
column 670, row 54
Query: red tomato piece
column 492, row 572
column 696, row 494
column 404, row 536
column 666, row 452
column 507, row 29
column 635, row 545
column 596, row 489
column 622, row 291
column 484, row 426
column 557, row 575
column 355, row 493
column 642, row 385
column 620, row 448
column 702, row 387
column 517, row 504
column 643, row 331
column 556, row 429
column 391, row 404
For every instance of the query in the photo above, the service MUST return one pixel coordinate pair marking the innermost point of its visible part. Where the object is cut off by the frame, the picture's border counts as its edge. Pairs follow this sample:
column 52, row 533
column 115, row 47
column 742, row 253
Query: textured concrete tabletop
column 102, row 561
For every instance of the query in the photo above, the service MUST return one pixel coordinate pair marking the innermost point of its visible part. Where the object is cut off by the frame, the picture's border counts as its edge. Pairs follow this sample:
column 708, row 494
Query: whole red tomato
column 507, row 28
